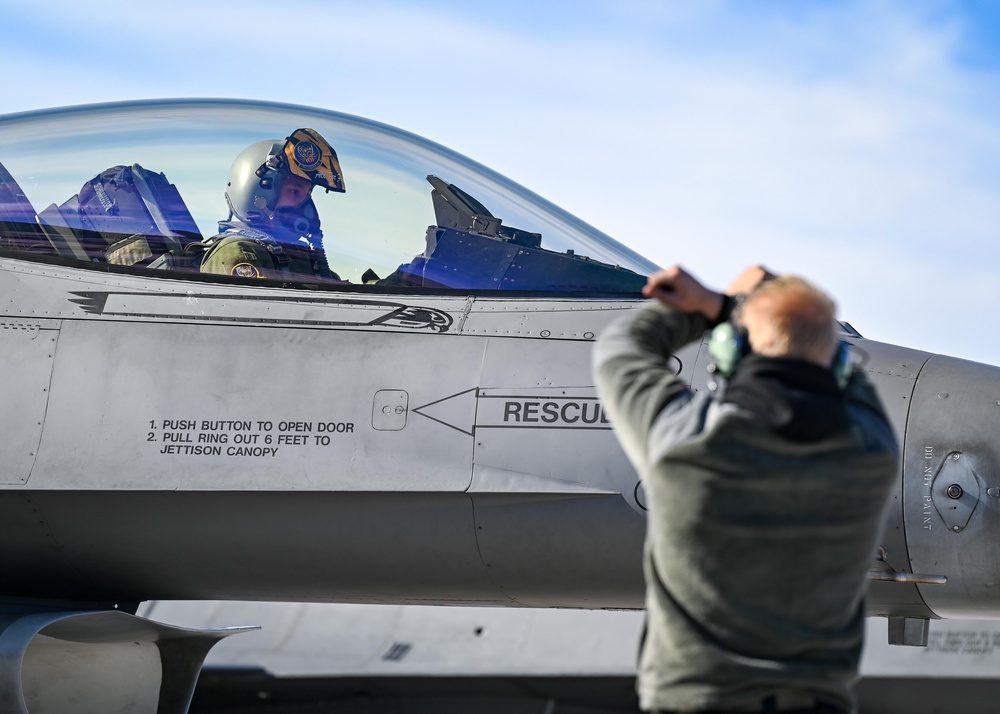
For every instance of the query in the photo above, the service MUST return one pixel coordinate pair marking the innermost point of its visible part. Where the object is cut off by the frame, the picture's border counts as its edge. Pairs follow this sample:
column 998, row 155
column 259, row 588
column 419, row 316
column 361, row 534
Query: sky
column 854, row 142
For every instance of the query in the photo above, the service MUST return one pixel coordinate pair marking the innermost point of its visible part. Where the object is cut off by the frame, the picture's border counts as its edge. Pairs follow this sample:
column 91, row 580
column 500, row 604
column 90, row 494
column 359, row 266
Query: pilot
column 273, row 229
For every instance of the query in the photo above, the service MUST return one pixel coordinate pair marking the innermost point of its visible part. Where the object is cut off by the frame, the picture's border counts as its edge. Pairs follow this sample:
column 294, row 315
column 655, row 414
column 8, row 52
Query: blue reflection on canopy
column 140, row 185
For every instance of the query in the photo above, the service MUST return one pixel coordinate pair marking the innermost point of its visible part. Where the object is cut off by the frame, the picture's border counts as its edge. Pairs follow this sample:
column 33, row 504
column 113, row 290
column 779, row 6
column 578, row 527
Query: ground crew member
column 765, row 497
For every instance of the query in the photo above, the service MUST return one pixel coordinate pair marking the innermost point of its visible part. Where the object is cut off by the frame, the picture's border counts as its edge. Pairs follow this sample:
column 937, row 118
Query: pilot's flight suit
column 246, row 252
column 765, row 503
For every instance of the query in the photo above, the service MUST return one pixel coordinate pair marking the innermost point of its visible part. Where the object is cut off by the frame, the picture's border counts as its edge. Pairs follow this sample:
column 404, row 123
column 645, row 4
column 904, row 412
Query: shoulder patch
column 245, row 270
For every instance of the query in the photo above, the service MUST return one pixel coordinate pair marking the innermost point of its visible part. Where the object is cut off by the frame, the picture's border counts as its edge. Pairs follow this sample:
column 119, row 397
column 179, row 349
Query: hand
column 677, row 288
column 748, row 280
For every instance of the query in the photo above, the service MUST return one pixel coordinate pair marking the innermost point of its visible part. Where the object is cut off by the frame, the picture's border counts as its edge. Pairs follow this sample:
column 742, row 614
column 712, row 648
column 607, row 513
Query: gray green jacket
column 765, row 503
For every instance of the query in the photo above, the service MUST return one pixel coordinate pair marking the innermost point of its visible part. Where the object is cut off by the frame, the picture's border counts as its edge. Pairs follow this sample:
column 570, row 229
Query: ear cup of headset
column 842, row 367
column 727, row 346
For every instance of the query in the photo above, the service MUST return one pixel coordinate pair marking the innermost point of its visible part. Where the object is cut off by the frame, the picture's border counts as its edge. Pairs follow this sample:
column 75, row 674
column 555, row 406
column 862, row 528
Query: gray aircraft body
column 398, row 659
column 419, row 428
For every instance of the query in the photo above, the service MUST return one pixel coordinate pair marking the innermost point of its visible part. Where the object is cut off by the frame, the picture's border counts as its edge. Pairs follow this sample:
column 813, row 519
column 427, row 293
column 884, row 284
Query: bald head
column 789, row 317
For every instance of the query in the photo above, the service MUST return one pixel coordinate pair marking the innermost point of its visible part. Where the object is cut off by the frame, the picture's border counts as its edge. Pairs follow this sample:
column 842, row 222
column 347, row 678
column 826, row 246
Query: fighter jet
column 265, row 352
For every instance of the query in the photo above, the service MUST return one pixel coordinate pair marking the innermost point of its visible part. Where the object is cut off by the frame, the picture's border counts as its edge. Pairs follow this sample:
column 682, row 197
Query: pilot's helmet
column 260, row 170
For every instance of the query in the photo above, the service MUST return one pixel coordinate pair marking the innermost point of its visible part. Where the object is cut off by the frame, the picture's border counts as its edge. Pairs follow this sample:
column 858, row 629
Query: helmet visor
column 310, row 156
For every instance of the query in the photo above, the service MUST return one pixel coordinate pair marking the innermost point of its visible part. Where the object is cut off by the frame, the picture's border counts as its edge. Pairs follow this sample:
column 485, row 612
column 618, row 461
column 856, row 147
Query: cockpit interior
column 139, row 188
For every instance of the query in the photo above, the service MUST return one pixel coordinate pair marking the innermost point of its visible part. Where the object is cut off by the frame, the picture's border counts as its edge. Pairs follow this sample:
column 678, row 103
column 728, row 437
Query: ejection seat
column 18, row 229
column 126, row 215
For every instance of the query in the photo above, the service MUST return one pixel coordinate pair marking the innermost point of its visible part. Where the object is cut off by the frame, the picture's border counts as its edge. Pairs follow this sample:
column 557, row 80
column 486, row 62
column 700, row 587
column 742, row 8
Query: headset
column 729, row 344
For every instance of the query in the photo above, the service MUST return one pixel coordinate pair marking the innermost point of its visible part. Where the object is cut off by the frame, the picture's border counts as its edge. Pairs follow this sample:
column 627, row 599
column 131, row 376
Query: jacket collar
column 795, row 398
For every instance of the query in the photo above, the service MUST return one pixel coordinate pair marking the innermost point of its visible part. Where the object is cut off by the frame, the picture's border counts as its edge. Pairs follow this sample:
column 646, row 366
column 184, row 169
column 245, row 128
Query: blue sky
column 855, row 142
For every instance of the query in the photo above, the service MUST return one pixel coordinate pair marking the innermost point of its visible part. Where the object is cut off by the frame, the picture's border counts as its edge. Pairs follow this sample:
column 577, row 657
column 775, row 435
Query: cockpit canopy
column 140, row 187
